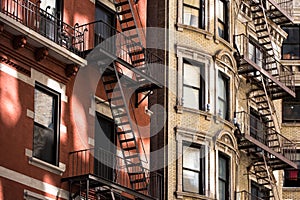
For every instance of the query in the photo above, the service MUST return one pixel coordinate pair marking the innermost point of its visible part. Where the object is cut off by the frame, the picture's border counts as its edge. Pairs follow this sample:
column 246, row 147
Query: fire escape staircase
column 267, row 150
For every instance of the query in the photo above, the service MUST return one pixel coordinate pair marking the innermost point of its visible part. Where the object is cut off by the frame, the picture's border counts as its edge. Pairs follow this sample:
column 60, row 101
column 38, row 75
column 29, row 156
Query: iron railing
column 244, row 195
column 257, row 129
column 44, row 23
column 109, row 166
column 286, row 6
column 266, row 62
column 106, row 37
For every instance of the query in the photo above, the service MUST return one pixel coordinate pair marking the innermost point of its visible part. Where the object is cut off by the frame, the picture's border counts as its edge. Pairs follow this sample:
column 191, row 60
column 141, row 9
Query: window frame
column 201, row 171
column 286, row 55
column 224, row 23
column 292, row 102
column 226, row 102
column 201, row 88
column 293, row 183
column 56, row 96
column 201, row 13
column 227, row 179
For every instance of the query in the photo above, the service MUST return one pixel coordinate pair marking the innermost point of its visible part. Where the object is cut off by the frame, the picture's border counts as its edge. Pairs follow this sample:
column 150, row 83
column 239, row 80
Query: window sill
column 181, row 109
column 181, row 195
column 59, row 170
column 291, row 124
column 207, row 34
column 224, row 42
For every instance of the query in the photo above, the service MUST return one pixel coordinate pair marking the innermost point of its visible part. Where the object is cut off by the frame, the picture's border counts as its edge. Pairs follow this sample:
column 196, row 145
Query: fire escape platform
column 266, row 74
column 95, row 181
column 283, row 160
column 279, row 15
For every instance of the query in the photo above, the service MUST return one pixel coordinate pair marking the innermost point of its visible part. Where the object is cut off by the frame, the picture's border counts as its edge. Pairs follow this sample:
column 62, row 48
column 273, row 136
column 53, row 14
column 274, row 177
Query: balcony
column 255, row 136
column 93, row 171
column 26, row 18
column 254, row 61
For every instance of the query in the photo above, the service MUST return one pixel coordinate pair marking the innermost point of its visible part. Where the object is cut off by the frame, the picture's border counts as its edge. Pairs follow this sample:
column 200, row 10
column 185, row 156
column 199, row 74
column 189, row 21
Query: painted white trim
column 14, row 73
column 30, row 113
column 28, row 195
column 59, row 170
column 33, row 183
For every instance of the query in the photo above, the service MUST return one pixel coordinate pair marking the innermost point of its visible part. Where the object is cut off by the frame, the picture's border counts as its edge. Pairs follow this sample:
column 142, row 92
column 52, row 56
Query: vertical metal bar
column 87, row 189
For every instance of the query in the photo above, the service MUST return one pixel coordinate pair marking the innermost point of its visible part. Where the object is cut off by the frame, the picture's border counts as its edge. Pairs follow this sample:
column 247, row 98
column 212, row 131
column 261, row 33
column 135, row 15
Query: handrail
column 286, row 76
column 259, row 132
column 111, row 167
column 46, row 24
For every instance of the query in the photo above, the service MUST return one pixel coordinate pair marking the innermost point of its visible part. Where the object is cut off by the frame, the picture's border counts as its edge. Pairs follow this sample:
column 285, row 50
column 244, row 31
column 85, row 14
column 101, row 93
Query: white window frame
column 198, row 56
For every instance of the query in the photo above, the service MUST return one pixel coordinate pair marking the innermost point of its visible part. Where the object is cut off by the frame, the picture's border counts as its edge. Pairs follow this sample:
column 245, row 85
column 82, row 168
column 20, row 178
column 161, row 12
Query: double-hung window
column 255, row 54
column 291, row 45
column 224, row 177
column 46, row 124
column 193, row 84
column 223, row 96
column 194, row 13
column 193, row 169
column 222, row 14
column 102, row 29
column 291, row 108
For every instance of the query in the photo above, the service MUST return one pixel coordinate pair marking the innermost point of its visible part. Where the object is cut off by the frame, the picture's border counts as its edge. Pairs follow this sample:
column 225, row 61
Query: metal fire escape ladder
column 125, row 131
column 128, row 19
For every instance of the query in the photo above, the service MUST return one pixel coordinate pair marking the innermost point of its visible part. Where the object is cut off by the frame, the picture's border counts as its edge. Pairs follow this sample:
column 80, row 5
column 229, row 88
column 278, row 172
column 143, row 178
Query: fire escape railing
column 113, row 41
column 111, row 167
column 268, row 65
column 257, row 130
column 286, row 6
column 44, row 23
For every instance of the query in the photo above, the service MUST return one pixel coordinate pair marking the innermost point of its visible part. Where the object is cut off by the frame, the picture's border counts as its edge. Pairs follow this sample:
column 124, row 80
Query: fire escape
column 125, row 63
column 258, row 131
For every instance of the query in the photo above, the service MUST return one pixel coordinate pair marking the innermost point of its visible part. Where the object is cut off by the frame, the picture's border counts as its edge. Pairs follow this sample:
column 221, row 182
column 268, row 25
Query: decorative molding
column 41, row 53
column 71, row 70
column 8, row 61
column 19, row 41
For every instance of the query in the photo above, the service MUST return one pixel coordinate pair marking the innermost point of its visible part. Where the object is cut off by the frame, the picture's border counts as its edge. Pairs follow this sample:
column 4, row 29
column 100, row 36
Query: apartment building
column 200, row 104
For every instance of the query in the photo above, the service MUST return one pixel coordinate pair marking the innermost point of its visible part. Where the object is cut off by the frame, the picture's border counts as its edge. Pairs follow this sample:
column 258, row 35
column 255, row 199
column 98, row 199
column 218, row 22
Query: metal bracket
column 137, row 102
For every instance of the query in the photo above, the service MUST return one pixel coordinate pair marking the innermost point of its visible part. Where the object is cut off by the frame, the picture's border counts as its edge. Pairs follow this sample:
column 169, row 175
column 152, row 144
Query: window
column 291, row 108
column 194, row 13
column 255, row 54
column 224, row 192
column 259, row 192
column 105, row 146
column 102, row 30
column 222, row 14
column 193, row 85
column 292, row 176
column 223, row 96
column 51, row 14
column 46, row 124
column 291, row 45
column 257, row 126
column 193, row 169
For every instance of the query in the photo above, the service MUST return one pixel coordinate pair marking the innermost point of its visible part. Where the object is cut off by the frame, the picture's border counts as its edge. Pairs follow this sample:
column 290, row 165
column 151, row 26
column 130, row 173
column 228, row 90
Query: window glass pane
column 191, row 158
column 190, row 181
column 191, row 97
column 222, row 190
column 43, row 109
column 291, row 51
column 195, row 3
column 222, row 87
column 221, row 30
column 221, row 9
column 191, row 75
column 191, row 16
column 293, row 34
column 222, row 168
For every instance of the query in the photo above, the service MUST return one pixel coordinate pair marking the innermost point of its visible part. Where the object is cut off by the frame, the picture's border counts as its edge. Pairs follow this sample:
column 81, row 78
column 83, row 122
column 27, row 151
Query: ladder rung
column 138, row 61
column 122, row 123
column 110, row 81
column 126, row 20
column 124, row 12
column 133, row 165
column 128, row 28
column 117, row 107
column 262, row 37
column 134, row 53
column 131, row 156
column 135, row 173
column 120, row 115
column 124, row 132
column 127, row 140
column 139, row 180
column 129, row 148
